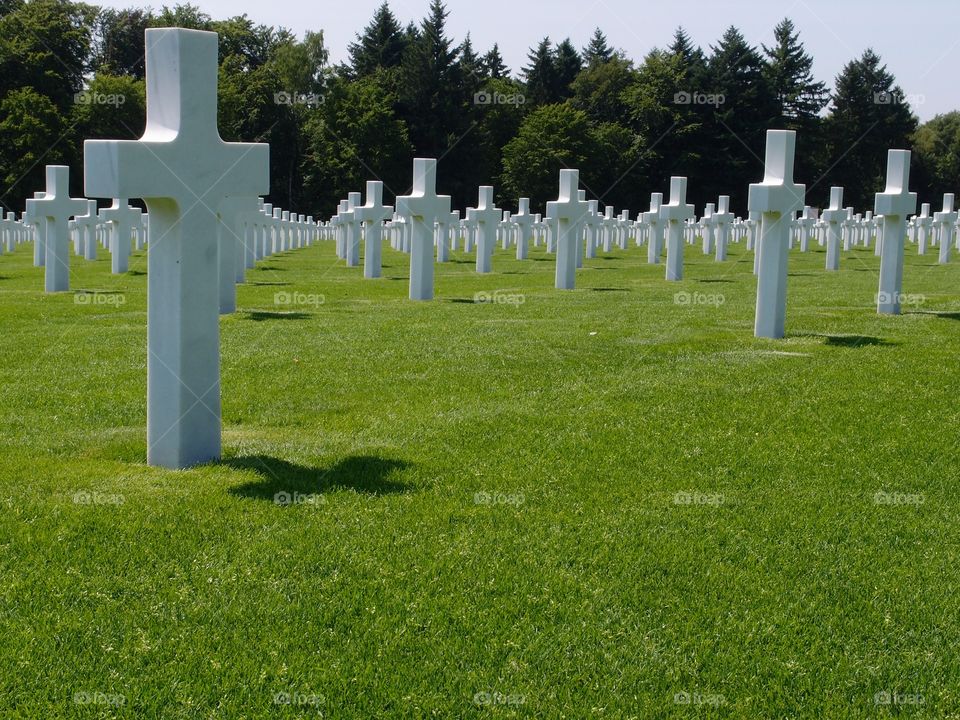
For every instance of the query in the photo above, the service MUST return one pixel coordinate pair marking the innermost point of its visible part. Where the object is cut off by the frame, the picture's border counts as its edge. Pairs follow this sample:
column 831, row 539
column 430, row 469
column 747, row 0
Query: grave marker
column 183, row 170
column 777, row 198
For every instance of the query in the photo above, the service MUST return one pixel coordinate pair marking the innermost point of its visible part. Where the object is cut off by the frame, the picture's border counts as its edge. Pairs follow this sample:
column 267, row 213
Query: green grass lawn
column 595, row 503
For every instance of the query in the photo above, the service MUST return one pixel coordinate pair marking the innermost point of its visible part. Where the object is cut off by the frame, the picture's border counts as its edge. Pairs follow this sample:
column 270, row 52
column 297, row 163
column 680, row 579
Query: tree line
column 71, row 71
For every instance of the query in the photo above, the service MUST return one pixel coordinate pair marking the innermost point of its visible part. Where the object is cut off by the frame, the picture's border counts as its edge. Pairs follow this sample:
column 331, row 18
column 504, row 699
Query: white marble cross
column 32, row 219
column 568, row 210
column 591, row 222
column 234, row 212
column 833, row 216
column 706, row 228
column 655, row 224
column 722, row 219
column 423, row 207
column 352, row 229
column 623, row 235
column 777, row 198
column 183, row 170
column 674, row 215
column 946, row 219
column 524, row 222
column 807, row 221
column 120, row 217
column 895, row 203
column 86, row 226
column 56, row 207
column 372, row 214
column 923, row 222
column 487, row 215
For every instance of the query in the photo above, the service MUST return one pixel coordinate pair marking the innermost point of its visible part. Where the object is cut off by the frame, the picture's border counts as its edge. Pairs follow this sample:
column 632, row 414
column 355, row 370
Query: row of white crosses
column 838, row 228
column 48, row 213
column 247, row 232
column 13, row 232
column 185, row 173
column 778, row 197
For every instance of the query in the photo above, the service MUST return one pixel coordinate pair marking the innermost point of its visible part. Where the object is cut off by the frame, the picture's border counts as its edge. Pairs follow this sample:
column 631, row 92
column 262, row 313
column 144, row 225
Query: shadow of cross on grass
column 848, row 341
column 937, row 313
column 363, row 473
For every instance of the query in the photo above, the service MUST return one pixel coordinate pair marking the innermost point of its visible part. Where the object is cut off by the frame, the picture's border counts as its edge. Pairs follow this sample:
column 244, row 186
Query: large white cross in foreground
column 183, row 170
column 777, row 198
column 895, row 204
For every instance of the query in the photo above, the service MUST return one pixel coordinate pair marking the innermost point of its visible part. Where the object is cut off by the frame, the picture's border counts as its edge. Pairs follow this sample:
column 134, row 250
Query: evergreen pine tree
column 541, row 75
column 380, row 45
column 868, row 117
column 494, row 65
column 790, row 77
column 597, row 50
column 568, row 65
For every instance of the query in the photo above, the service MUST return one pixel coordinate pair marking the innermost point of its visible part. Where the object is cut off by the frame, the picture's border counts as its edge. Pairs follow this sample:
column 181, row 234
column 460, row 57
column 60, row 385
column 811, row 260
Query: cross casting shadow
column 465, row 301
column 136, row 273
column 272, row 268
column 261, row 315
column 609, row 289
column 850, row 341
column 363, row 473
column 935, row 313
column 714, row 280
column 801, row 274
column 265, row 284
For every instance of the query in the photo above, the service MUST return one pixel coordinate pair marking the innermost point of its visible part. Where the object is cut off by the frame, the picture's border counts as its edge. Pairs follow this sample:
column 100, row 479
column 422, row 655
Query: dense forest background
column 71, row 71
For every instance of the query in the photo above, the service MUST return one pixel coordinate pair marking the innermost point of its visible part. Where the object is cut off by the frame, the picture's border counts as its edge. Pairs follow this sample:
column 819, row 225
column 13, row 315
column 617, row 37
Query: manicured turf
column 584, row 504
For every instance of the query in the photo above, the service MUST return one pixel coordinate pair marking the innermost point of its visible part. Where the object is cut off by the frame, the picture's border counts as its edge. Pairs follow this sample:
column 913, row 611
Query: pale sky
column 919, row 40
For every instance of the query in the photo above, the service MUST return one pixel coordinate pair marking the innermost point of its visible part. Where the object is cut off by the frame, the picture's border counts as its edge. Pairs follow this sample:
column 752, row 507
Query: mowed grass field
column 605, row 502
